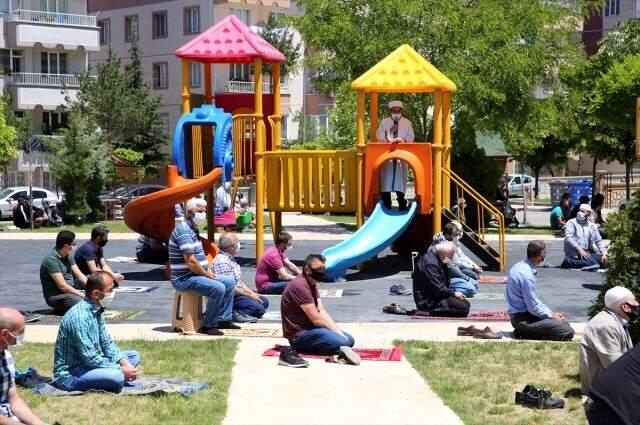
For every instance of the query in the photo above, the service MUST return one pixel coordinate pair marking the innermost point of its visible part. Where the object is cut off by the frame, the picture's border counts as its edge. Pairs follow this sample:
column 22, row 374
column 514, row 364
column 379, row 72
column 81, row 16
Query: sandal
column 394, row 309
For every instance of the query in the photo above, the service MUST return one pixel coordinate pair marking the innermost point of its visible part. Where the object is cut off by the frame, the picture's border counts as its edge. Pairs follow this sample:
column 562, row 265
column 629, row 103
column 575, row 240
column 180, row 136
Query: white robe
column 390, row 181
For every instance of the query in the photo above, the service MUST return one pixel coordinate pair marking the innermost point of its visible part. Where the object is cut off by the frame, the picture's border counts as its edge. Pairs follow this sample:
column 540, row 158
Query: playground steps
column 489, row 256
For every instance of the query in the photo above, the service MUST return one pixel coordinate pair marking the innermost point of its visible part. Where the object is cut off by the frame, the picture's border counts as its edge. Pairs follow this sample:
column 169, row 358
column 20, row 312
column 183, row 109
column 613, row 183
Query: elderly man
column 274, row 270
column 394, row 129
column 305, row 322
column 431, row 284
column 606, row 336
column 85, row 356
column 580, row 237
column 245, row 301
column 57, row 272
column 530, row 318
column 13, row 409
column 463, row 273
column 190, row 270
column 90, row 256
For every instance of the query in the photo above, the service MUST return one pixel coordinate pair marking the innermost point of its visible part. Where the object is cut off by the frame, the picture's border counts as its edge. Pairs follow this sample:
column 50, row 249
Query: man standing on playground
column 394, row 129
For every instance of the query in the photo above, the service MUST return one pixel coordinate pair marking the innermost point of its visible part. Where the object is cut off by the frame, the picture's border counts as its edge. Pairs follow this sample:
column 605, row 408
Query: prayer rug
column 272, row 315
column 249, row 331
column 489, row 296
column 108, row 314
column 393, row 354
column 324, row 293
column 135, row 289
column 144, row 385
column 497, row 316
column 131, row 260
column 492, row 279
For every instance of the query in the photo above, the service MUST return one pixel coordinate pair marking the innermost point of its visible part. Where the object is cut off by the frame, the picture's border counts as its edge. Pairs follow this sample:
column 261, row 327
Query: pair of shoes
column 486, row 333
column 394, row 309
column 399, row 290
column 538, row 399
column 225, row 324
column 349, row 356
column 210, row 331
column 290, row 358
column 591, row 268
column 242, row 318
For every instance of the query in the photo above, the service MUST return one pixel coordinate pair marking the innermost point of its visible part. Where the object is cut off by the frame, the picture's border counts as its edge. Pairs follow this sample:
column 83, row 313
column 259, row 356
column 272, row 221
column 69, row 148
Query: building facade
column 44, row 45
column 162, row 26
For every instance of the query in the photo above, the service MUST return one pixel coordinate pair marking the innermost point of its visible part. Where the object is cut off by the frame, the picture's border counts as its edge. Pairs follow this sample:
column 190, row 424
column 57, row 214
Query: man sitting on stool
column 530, row 318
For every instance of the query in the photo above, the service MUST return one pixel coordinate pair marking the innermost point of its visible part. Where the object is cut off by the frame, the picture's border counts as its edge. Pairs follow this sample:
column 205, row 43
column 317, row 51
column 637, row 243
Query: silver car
column 517, row 182
column 9, row 198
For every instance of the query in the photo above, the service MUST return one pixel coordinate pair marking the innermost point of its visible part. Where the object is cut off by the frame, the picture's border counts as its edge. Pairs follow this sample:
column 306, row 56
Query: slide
column 378, row 232
column 154, row 215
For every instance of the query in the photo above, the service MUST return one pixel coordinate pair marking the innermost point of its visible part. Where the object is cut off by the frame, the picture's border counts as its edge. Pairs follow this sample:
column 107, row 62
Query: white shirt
column 223, row 198
column 393, row 177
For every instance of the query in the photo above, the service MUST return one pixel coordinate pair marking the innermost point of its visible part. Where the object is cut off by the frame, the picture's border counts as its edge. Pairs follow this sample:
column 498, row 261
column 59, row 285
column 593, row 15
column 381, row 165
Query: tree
column 136, row 80
column 79, row 163
column 8, row 134
column 280, row 35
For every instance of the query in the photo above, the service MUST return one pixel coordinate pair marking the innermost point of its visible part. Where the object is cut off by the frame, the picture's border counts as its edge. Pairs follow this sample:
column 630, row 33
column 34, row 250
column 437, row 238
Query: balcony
column 249, row 87
column 45, row 80
column 30, row 90
column 27, row 28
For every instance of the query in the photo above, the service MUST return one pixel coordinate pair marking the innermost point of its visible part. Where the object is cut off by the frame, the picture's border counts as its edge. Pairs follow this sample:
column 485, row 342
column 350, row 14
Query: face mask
column 227, row 185
column 20, row 340
column 457, row 238
column 107, row 300
column 200, row 218
column 581, row 217
column 446, row 260
column 317, row 274
column 288, row 247
column 396, row 117
column 634, row 313
column 102, row 243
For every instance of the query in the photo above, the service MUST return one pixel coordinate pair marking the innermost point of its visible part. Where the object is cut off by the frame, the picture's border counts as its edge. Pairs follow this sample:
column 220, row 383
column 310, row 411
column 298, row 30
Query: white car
column 9, row 198
column 517, row 182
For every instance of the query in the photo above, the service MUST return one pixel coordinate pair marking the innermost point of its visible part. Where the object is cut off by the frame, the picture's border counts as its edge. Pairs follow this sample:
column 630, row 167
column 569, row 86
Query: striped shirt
column 7, row 381
column 184, row 240
column 225, row 265
column 83, row 342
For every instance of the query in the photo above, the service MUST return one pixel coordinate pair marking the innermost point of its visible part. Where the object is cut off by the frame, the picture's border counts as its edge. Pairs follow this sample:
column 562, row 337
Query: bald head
column 11, row 325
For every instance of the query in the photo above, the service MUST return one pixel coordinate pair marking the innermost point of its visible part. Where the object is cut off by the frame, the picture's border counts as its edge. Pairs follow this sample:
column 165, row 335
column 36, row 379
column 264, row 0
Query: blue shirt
column 184, row 240
column 553, row 218
column 521, row 291
column 7, row 381
column 84, row 342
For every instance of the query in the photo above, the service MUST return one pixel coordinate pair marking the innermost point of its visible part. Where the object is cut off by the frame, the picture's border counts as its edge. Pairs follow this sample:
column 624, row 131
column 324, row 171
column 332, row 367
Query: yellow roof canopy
column 403, row 71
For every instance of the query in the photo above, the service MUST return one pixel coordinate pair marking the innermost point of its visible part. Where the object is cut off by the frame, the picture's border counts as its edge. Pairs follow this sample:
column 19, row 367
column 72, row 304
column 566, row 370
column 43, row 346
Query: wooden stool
column 191, row 319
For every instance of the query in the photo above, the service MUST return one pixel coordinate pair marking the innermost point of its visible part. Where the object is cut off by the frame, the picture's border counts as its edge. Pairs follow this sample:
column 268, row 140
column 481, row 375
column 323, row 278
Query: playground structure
column 210, row 146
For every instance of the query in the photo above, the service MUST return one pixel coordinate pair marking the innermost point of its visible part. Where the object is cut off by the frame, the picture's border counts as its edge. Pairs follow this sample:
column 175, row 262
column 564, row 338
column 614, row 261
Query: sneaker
column 210, row 331
column 592, row 268
column 399, row 290
column 242, row 318
column 228, row 325
column 349, row 355
column 538, row 399
column 289, row 357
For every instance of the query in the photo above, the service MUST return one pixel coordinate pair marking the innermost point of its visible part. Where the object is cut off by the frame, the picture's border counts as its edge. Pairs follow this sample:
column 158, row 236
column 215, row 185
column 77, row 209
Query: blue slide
column 378, row 232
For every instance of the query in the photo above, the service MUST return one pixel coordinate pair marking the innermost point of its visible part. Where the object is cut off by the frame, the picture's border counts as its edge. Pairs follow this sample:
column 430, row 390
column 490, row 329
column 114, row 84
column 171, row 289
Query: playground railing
column 311, row 181
column 485, row 212
column 244, row 144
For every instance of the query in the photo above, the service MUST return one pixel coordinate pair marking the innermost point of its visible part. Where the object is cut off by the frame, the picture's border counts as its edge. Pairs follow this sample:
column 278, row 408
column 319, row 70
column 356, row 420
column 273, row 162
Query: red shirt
column 267, row 269
column 294, row 320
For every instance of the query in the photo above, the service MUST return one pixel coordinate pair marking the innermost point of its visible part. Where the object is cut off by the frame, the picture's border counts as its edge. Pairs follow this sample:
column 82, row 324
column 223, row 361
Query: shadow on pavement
column 153, row 275
column 591, row 286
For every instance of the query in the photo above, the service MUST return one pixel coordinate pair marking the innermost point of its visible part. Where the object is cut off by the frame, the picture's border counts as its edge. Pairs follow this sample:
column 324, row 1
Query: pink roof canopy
column 229, row 41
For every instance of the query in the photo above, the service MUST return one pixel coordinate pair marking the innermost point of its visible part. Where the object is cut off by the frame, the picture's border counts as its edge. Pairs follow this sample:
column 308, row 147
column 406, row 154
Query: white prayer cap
column 615, row 295
column 585, row 207
column 395, row 104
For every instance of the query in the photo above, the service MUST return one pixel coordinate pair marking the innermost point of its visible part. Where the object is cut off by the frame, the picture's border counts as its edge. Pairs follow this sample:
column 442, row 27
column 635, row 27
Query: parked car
column 517, row 182
column 131, row 191
column 9, row 198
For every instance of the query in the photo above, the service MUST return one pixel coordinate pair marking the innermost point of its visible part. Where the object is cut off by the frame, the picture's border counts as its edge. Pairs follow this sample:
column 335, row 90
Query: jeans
column 321, row 341
column 100, row 379
column 250, row 307
column 469, row 272
column 467, row 287
column 63, row 302
column 275, row 288
column 528, row 326
column 219, row 295
column 578, row 263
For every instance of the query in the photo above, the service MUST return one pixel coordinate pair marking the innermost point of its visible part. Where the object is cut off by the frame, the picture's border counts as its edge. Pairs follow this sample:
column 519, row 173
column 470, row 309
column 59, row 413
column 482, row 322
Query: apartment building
column 162, row 26
column 44, row 45
column 613, row 13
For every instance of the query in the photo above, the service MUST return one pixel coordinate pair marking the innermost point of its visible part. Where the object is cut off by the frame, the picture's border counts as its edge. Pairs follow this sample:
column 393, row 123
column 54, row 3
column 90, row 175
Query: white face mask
column 396, row 117
column 446, row 260
column 227, row 185
column 20, row 341
column 200, row 218
column 107, row 300
column 581, row 217
column 288, row 247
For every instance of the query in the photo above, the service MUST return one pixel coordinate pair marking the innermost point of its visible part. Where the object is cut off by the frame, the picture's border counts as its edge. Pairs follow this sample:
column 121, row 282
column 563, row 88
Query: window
column 242, row 14
column 192, row 20
column 611, row 7
column 38, row 194
column 239, row 72
column 284, row 126
column 160, row 80
column 5, row 62
column 16, row 60
column 131, row 28
column 195, row 74
column 105, row 31
column 55, row 6
column 527, row 180
column 20, row 195
column 160, row 24
column 54, row 121
column 4, row 6
column 516, row 180
column 53, row 63
column 277, row 15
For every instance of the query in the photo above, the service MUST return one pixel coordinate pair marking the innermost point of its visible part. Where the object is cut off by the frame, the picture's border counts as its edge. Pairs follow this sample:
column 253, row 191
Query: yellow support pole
column 208, row 82
column 437, row 161
column 373, row 116
column 360, row 146
column 276, row 217
column 186, row 87
column 446, row 117
column 259, row 153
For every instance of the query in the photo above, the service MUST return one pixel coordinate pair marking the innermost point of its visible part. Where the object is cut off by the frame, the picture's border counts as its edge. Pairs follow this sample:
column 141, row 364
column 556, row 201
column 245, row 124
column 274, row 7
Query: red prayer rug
column 497, row 316
column 492, row 279
column 374, row 354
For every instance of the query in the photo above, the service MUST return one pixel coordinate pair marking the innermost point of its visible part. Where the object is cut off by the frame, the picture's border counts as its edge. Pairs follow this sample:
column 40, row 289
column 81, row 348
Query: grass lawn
column 115, row 226
column 479, row 380
column 206, row 361
column 528, row 230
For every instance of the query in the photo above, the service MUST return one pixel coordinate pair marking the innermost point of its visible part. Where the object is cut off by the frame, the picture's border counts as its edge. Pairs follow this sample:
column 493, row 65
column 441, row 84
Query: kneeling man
column 86, row 357
column 606, row 336
column 305, row 322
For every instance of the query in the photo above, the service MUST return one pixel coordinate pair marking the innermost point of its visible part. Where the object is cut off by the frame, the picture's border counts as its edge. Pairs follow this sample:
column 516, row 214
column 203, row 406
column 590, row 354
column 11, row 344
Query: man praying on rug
column 530, row 318
column 463, row 273
column 305, row 322
column 431, row 284
column 86, row 357
column 274, row 270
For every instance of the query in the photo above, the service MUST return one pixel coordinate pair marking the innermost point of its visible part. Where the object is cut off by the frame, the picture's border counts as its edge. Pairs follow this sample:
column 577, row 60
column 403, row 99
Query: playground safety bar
column 311, row 181
column 484, row 209
column 244, row 144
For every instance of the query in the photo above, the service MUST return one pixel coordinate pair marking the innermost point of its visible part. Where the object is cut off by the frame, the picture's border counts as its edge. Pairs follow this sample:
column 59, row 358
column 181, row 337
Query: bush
column 624, row 256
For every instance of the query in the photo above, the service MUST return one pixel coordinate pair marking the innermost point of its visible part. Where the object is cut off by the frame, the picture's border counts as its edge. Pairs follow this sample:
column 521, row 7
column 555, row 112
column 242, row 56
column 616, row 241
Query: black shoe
column 210, row 331
column 243, row 318
column 538, row 399
column 289, row 357
column 228, row 325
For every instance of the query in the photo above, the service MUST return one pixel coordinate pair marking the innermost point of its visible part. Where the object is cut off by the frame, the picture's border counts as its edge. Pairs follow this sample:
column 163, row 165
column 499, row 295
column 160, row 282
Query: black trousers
column 386, row 200
column 599, row 413
column 528, row 326
column 455, row 308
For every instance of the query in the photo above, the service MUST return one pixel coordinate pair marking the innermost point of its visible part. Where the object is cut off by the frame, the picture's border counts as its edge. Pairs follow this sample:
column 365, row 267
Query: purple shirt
column 268, row 266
